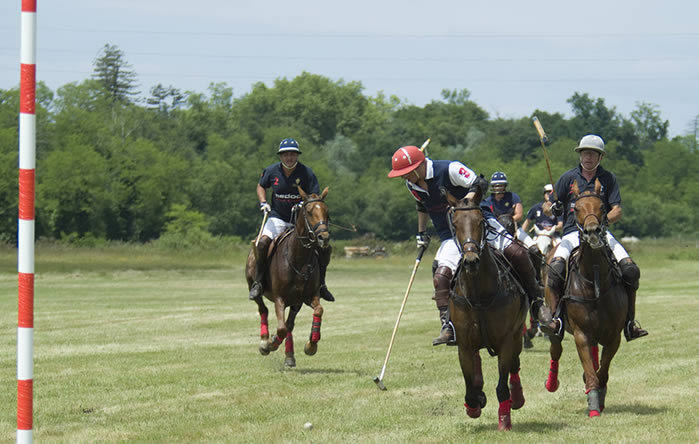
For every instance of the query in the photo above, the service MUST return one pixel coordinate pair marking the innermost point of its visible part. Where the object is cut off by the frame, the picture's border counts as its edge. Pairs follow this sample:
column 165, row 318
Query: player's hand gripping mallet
column 379, row 379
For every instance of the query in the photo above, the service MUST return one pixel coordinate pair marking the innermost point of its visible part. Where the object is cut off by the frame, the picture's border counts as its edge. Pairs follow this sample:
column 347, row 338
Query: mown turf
column 167, row 351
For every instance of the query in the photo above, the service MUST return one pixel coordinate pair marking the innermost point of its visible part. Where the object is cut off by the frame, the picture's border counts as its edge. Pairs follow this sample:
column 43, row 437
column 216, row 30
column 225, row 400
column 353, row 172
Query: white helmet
column 548, row 188
column 591, row 142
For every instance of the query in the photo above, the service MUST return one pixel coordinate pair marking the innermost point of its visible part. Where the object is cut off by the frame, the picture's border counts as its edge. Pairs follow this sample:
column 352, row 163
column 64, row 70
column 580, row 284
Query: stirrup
column 556, row 331
column 633, row 331
column 255, row 291
column 446, row 335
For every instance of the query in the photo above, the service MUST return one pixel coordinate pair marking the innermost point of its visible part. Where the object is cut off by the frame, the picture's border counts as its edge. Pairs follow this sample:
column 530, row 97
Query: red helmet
column 405, row 160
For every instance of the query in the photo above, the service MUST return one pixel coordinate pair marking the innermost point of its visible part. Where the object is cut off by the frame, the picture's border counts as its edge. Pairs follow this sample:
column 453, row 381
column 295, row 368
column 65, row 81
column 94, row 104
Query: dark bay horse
column 508, row 222
column 488, row 309
column 293, row 278
column 594, row 304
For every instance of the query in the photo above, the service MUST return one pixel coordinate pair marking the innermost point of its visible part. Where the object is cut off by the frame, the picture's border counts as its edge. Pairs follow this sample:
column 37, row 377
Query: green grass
column 137, row 344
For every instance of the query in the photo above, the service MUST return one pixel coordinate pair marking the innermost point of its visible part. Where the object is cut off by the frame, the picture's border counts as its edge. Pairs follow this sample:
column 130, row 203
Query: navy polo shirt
column 609, row 193
column 506, row 205
column 284, row 192
column 455, row 178
column 536, row 213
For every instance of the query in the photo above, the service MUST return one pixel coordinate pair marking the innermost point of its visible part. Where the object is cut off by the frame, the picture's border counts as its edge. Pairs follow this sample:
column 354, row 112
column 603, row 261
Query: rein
column 312, row 237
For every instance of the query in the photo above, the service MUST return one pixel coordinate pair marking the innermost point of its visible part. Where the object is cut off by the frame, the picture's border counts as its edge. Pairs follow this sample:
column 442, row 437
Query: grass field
column 135, row 344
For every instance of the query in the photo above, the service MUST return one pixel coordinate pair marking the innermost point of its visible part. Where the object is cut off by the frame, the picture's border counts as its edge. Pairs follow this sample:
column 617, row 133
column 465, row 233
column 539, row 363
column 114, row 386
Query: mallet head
column 379, row 383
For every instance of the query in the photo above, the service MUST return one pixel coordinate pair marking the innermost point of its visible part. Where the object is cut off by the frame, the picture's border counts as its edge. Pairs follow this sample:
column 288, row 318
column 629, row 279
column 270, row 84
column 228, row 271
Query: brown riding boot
column 257, row 288
column 631, row 275
column 442, row 283
column 323, row 261
column 537, row 260
column 556, row 283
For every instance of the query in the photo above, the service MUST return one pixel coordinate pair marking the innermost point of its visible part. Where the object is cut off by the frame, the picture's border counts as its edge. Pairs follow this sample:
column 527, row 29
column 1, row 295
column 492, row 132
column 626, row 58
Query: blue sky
column 513, row 56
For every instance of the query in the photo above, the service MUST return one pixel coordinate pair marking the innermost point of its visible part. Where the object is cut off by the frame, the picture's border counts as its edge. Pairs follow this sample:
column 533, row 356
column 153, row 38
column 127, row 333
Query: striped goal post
column 25, row 226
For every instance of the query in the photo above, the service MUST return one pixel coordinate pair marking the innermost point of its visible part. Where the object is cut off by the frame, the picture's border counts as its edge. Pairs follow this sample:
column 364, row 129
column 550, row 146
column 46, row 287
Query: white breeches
column 524, row 238
column 572, row 240
column 274, row 227
column 448, row 254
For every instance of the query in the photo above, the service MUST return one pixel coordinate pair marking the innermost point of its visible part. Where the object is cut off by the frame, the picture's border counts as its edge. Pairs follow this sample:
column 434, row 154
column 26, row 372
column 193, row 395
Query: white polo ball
column 308, row 426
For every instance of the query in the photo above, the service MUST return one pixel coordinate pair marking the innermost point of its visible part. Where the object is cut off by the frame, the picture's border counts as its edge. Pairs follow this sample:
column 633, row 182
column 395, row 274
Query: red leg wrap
column 516, row 393
column 315, row 329
column 264, row 329
column 504, row 419
column 289, row 344
column 552, row 381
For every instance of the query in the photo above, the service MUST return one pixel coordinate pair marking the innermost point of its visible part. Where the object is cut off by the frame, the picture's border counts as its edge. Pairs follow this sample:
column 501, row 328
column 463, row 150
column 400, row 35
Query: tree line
column 113, row 166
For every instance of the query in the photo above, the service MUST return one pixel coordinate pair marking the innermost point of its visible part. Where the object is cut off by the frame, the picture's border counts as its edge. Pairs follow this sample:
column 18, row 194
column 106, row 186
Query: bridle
column 313, row 231
column 475, row 246
column 601, row 222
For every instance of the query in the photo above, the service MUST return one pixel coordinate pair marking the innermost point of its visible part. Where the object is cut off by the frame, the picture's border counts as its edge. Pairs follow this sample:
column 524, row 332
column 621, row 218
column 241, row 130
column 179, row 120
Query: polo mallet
column 379, row 379
column 424, row 146
column 543, row 139
column 259, row 234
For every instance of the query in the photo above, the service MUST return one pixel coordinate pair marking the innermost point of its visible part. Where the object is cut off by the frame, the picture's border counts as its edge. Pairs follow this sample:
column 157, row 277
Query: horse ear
column 598, row 186
column 324, row 193
column 303, row 194
column 574, row 188
column 453, row 201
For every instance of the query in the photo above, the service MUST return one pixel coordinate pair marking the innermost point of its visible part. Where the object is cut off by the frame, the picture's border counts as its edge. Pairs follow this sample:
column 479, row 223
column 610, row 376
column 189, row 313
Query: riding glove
column 265, row 208
column 423, row 240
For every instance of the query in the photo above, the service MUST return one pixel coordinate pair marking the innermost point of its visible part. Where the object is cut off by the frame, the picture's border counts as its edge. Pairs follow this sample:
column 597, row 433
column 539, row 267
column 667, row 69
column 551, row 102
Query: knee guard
column 557, row 275
column 442, row 284
column 630, row 273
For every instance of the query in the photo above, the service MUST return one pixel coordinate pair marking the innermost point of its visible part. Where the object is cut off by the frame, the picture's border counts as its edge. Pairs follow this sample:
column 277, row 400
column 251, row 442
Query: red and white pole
column 25, row 229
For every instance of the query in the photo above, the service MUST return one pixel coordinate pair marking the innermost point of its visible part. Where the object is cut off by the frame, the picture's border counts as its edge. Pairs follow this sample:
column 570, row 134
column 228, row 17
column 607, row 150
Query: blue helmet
column 498, row 178
column 287, row 145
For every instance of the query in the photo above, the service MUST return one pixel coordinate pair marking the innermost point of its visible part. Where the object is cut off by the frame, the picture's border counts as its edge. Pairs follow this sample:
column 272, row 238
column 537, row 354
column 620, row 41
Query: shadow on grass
column 517, row 426
column 311, row 371
column 636, row 409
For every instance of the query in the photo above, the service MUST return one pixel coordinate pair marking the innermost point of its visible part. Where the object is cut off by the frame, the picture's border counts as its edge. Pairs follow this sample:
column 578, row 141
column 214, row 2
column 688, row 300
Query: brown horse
column 487, row 308
column 594, row 305
column 293, row 278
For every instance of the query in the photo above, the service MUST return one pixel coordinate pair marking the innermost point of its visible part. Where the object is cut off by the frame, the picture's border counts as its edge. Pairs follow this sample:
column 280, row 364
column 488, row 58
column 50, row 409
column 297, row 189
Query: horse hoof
column 263, row 348
column 310, row 348
column 473, row 412
column 290, row 362
column 552, row 385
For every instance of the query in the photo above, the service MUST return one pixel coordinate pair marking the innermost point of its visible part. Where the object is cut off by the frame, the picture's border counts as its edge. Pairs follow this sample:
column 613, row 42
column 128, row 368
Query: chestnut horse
column 594, row 305
column 293, row 277
column 487, row 307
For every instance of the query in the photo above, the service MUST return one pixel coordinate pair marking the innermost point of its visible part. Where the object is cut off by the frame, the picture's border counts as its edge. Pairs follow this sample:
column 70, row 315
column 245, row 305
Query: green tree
column 115, row 74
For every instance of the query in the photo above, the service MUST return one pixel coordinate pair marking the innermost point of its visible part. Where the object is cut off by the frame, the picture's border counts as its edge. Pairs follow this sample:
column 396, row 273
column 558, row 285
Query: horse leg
column 281, row 325
column 311, row 346
column 516, row 393
column 502, row 389
column 468, row 364
column 555, row 350
column 608, row 353
column 590, row 375
column 290, row 360
column 478, row 379
column 263, row 348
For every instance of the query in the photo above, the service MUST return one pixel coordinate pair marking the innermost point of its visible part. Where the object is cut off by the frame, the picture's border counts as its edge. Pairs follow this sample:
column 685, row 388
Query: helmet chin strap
column 291, row 167
column 591, row 169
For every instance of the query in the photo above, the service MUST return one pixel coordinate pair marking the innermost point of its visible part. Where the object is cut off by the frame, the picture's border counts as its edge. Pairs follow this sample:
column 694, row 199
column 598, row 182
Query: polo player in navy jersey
column 283, row 178
column 542, row 221
column 591, row 150
column 425, row 179
column 502, row 201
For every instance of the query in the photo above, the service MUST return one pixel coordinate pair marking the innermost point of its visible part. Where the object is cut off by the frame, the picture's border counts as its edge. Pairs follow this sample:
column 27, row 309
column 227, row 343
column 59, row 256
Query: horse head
column 508, row 221
column 312, row 223
column 590, row 215
column 469, row 228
